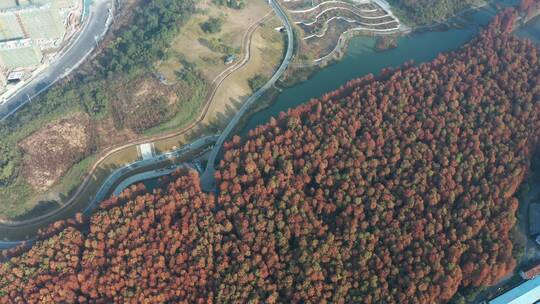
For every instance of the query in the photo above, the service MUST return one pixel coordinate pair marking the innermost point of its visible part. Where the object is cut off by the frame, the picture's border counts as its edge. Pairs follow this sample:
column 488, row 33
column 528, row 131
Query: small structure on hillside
column 15, row 76
column 525, row 293
column 230, row 59
column 161, row 78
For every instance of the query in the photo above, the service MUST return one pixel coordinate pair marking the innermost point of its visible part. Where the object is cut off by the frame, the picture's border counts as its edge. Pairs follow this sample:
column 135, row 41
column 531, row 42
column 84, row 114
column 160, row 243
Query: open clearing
column 51, row 151
column 193, row 45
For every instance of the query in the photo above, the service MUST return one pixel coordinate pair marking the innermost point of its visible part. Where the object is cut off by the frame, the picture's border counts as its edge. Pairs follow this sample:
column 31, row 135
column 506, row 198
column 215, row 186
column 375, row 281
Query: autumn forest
column 396, row 188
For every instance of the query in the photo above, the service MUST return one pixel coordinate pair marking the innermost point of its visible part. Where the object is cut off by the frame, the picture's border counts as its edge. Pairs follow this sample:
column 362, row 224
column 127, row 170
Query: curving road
column 117, row 174
column 105, row 188
column 146, row 176
column 7, row 228
column 207, row 178
column 99, row 18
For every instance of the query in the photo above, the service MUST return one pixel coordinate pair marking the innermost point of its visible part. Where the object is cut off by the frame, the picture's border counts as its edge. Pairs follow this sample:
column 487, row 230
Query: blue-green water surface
column 361, row 59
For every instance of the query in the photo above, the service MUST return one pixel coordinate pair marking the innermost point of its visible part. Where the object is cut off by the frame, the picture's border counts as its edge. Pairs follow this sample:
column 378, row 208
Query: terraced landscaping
column 324, row 27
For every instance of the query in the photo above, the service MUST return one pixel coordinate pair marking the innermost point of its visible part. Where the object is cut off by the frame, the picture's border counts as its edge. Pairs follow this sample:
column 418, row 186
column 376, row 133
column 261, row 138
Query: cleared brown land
column 107, row 135
column 142, row 103
column 51, row 151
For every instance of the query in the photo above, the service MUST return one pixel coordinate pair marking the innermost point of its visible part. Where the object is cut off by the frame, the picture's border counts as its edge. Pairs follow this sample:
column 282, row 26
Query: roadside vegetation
column 427, row 12
column 236, row 4
column 212, row 26
column 256, row 82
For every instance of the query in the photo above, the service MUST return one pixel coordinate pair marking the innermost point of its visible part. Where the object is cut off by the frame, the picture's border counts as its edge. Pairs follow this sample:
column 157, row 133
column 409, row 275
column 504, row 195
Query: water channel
column 361, row 59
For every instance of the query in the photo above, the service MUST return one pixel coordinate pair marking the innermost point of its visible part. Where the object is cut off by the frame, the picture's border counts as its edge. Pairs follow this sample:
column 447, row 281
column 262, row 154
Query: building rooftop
column 230, row 58
column 526, row 293
column 18, row 75
column 534, row 219
column 531, row 273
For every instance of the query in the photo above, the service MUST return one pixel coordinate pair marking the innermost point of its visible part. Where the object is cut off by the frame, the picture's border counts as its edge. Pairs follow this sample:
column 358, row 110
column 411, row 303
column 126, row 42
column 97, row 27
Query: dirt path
column 216, row 83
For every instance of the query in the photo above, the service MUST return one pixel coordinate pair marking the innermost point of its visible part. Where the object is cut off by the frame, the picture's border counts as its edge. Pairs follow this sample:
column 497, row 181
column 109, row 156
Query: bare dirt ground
column 144, row 89
column 328, row 42
column 51, row 151
column 191, row 44
column 144, row 102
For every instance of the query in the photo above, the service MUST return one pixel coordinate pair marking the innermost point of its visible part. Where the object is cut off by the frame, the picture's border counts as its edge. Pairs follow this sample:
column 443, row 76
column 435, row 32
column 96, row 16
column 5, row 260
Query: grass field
column 191, row 45
column 187, row 48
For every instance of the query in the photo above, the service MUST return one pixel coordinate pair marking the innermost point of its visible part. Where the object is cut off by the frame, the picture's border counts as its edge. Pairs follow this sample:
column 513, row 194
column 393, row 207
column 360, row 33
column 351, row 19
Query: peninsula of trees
column 393, row 189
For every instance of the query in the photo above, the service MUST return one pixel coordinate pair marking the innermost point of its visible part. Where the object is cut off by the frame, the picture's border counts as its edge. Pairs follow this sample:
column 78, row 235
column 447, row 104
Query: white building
column 526, row 293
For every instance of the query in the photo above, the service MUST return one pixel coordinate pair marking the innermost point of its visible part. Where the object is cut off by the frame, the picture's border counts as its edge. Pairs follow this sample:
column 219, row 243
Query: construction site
column 33, row 33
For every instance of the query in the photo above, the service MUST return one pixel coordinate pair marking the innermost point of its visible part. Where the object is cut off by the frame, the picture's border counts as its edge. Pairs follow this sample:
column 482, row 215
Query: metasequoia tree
column 392, row 189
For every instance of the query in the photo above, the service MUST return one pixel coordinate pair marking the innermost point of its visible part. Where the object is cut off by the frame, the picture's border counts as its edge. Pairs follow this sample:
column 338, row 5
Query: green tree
column 256, row 82
column 212, row 26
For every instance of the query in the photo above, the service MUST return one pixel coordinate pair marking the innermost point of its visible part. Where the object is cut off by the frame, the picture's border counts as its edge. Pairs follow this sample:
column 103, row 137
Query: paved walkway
column 207, row 178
